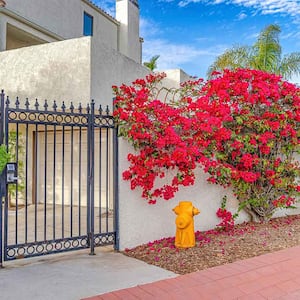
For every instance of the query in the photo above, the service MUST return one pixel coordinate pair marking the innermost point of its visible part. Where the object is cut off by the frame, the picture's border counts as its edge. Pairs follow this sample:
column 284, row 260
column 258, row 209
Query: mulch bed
column 217, row 247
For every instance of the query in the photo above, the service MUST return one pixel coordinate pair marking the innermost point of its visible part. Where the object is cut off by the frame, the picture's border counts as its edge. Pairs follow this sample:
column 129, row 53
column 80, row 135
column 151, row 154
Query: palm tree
column 264, row 55
column 152, row 64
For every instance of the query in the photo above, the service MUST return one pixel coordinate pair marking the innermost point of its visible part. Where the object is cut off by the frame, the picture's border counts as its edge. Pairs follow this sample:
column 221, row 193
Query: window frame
column 87, row 16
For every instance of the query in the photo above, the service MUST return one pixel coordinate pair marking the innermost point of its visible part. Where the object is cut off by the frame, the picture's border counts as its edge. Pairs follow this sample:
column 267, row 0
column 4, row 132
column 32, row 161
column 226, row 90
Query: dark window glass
column 87, row 24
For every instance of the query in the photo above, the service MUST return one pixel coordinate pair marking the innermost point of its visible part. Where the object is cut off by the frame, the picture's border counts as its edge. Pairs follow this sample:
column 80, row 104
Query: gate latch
column 11, row 173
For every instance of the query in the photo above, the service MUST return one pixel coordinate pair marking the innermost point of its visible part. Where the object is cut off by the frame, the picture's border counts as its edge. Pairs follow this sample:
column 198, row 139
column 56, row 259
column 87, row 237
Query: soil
column 218, row 247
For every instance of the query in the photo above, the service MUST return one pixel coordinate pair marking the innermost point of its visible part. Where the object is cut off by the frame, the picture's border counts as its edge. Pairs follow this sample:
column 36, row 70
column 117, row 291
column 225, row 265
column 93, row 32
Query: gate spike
column 46, row 105
column 80, row 108
column 100, row 110
column 7, row 102
column 36, row 104
column 27, row 104
column 88, row 108
column 107, row 110
column 72, row 107
column 54, row 105
column 17, row 102
column 63, row 107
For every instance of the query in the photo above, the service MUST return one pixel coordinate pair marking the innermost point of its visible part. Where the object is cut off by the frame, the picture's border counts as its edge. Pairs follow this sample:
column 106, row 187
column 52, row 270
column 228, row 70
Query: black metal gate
column 59, row 190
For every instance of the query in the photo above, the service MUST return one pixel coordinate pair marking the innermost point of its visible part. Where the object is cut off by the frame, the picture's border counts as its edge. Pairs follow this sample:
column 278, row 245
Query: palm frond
column 290, row 65
column 152, row 64
column 236, row 57
column 267, row 50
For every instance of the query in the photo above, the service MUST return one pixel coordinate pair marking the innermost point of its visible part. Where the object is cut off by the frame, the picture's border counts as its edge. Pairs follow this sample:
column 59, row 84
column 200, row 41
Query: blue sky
column 190, row 34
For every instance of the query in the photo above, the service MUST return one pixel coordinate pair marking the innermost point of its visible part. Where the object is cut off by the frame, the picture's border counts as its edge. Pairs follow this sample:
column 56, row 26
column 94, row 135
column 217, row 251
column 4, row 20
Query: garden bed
column 217, row 247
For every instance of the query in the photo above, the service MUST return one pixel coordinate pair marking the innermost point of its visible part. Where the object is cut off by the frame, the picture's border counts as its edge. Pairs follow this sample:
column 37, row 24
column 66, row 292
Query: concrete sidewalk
column 75, row 275
column 270, row 276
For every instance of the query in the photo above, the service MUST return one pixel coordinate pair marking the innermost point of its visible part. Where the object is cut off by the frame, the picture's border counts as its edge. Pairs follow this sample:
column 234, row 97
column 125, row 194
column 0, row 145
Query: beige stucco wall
column 71, row 167
column 55, row 71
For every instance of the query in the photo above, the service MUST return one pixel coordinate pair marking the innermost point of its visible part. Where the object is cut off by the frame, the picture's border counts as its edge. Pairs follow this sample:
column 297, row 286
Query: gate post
column 91, row 186
column 2, row 177
column 116, row 187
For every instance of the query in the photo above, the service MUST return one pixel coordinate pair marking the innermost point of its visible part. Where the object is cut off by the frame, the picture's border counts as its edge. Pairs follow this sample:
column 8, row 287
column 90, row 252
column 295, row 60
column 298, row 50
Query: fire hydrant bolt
column 185, row 234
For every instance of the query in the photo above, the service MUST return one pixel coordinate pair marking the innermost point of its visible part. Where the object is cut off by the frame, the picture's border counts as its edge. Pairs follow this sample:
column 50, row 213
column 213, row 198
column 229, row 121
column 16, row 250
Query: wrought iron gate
column 62, row 194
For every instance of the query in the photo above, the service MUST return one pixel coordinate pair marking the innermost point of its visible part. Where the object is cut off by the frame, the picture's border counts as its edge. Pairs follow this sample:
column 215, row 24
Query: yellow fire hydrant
column 185, row 234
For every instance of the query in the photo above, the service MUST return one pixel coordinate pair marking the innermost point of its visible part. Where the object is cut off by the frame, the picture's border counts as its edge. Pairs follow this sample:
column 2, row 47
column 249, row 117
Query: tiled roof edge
column 99, row 9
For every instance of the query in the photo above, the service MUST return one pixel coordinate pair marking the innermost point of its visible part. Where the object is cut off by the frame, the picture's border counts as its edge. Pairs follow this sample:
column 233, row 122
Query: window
column 87, row 24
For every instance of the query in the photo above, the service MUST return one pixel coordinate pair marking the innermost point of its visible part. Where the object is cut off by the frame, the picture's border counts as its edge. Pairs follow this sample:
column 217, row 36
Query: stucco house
column 71, row 51
column 65, row 50
column 68, row 49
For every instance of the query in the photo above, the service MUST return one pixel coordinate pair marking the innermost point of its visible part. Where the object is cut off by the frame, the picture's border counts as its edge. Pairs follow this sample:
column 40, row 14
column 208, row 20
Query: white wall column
column 2, row 32
column 128, row 14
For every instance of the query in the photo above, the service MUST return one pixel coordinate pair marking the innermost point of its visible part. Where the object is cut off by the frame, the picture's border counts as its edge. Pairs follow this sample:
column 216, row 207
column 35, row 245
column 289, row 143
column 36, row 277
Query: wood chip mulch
column 215, row 247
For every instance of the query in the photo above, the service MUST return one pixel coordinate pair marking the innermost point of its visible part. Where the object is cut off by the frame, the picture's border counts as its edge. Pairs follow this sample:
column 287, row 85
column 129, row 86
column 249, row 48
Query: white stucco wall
column 108, row 68
column 175, row 77
column 75, row 70
column 141, row 223
column 2, row 33
column 127, row 13
column 55, row 71
column 65, row 18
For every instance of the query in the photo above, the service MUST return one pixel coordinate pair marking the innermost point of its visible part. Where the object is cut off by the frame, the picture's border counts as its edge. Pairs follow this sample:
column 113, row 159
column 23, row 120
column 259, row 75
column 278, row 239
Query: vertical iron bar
column 53, row 182
column 63, row 185
column 72, row 161
column 5, row 223
column 100, row 179
column 26, row 185
column 79, row 188
column 35, row 181
column 2, row 176
column 92, row 183
column 88, row 194
column 107, row 176
column 17, row 186
column 6, row 186
column 116, row 187
column 45, row 184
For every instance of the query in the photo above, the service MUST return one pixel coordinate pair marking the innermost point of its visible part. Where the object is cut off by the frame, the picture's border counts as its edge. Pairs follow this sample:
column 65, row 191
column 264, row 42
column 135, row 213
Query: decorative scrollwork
column 104, row 121
column 47, row 247
column 103, row 239
column 62, row 116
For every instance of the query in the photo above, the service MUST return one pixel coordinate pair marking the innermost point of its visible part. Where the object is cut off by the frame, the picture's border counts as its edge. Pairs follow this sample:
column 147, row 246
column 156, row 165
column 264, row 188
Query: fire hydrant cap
column 183, row 221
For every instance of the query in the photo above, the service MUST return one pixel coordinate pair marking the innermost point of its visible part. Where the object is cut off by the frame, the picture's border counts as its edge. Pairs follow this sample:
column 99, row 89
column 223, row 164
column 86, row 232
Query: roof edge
column 101, row 11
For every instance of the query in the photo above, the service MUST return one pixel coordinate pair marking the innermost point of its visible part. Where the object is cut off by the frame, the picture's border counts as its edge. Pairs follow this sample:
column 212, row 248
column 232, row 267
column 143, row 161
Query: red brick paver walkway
column 270, row 276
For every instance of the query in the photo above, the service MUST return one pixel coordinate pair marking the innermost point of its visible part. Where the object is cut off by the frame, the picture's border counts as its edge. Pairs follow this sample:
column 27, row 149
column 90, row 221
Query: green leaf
column 4, row 157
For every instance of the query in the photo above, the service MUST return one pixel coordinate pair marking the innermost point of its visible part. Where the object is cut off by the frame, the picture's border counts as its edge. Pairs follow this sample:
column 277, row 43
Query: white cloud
column 241, row 16
column 107, row 5
column 174, row 55
column 148, row 28
column 287, row 7
column 295, row 79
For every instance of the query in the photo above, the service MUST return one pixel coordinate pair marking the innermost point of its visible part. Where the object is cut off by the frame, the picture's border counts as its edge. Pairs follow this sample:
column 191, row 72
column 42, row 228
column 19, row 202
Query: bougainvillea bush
column 241, row 127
